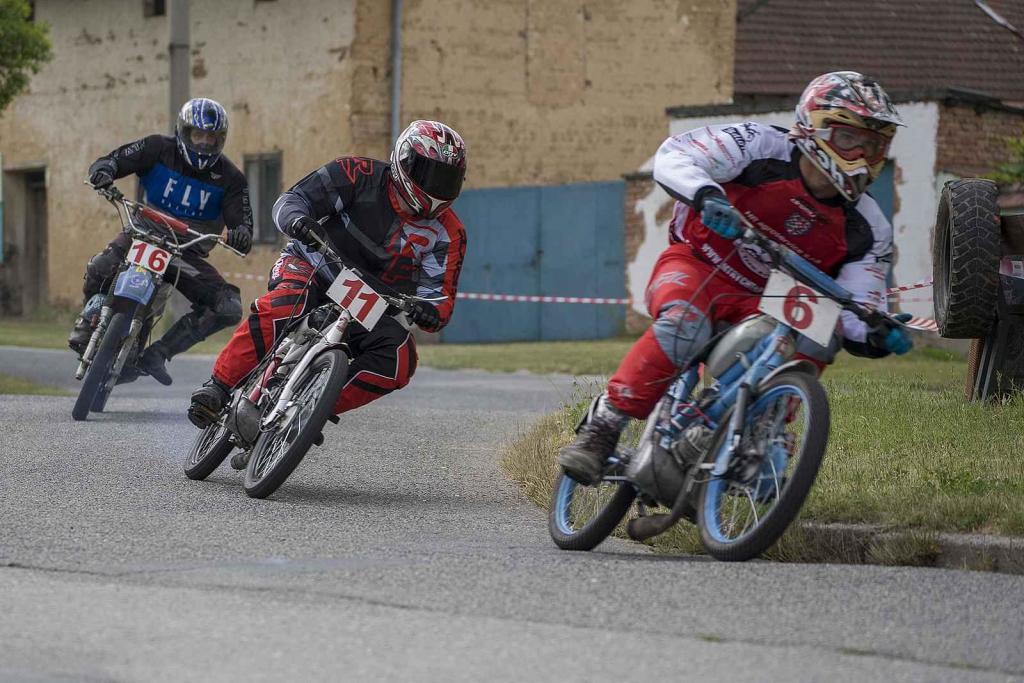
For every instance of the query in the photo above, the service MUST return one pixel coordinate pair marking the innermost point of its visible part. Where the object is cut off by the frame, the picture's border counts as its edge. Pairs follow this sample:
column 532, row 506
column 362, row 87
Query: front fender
column 135, row 283
column 800, row 365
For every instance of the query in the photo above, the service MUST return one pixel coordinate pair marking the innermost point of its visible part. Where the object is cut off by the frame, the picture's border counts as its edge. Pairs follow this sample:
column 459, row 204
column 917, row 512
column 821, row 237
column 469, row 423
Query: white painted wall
column 916, row 187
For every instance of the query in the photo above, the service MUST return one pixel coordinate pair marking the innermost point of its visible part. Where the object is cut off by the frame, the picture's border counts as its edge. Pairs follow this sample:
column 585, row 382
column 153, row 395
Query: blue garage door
column 559, row 241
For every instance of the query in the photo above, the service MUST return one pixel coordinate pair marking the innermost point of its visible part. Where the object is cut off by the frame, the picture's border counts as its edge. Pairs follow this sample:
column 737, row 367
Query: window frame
column 262, row 196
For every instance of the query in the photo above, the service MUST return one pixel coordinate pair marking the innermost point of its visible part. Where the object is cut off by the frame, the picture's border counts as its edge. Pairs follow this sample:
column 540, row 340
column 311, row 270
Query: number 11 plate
column 797, row 305
column 358, row 298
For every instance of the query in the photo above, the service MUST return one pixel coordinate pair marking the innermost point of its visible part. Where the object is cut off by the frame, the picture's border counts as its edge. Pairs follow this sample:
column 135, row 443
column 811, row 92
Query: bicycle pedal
column 319, row 440
column 334, row 418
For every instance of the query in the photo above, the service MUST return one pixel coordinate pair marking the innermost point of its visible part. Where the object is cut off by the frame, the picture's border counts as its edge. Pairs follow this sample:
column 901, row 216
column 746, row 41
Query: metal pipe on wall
column 178, row 46
column 396, row 69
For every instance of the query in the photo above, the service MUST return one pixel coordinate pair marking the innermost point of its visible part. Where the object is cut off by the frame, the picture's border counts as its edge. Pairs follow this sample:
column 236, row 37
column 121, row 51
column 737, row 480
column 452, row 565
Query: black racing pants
column 216, row 304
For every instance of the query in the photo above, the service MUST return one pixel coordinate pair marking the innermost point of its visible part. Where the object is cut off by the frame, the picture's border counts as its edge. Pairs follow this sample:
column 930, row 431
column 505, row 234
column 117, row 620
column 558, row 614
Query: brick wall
column 554, row 92
column 972, row 141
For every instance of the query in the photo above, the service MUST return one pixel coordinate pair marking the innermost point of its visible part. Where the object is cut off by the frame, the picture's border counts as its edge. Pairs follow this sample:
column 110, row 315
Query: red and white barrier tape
column 925, row 324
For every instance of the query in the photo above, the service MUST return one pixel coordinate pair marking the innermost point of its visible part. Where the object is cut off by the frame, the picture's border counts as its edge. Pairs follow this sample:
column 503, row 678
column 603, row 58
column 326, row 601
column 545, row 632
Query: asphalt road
column 399, row 552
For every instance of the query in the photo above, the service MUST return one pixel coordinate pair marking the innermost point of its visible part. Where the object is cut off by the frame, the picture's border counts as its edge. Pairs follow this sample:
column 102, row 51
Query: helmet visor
column 852, row 143
column 206, row 142
column 436, row 178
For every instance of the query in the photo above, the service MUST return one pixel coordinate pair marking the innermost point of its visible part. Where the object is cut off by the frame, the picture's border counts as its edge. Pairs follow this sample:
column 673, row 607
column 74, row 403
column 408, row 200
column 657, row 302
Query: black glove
column 240, row 238
column 305, row 230
column 425, row 315
column 101, row 174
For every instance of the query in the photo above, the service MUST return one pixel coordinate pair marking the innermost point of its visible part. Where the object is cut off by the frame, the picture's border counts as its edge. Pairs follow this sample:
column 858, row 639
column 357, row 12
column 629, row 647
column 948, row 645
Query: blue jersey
column 208, row 199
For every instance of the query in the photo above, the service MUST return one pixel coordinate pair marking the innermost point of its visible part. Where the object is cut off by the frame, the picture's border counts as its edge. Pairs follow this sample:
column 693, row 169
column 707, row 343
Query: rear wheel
column 742, row 513
column 209, row 450
column 583, row 516
column 102, row 363
column 279, row 450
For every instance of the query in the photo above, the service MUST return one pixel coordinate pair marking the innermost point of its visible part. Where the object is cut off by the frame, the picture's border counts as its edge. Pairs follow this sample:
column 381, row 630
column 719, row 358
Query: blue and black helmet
column 202, row 129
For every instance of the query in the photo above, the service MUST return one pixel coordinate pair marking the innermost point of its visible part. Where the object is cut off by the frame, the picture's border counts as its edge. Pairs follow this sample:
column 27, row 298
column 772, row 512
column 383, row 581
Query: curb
column 871, row 544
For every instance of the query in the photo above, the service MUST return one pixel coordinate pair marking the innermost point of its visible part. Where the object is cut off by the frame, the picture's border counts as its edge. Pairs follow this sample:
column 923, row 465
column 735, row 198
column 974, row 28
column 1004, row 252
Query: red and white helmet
column 844, row 125
column 428, row 165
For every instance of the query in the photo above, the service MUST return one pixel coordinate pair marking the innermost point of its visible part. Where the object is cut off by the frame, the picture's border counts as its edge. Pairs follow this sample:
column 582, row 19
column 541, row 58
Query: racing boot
column 152, row 362
column 207, row 403
column 584, row 458
column 80, row 335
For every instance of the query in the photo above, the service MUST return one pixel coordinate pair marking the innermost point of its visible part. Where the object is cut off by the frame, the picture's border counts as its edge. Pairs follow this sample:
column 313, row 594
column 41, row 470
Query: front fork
column 772, row 357
column 332, row 338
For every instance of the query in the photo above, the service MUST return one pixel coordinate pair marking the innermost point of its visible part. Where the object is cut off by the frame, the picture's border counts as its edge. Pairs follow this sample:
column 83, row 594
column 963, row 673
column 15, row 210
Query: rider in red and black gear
column 804, row 188
column 392, row 221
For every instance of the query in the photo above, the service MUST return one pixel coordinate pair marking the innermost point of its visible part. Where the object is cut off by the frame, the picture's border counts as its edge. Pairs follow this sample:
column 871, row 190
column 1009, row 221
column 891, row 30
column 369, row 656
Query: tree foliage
column 1011, row 172
column 24, row 48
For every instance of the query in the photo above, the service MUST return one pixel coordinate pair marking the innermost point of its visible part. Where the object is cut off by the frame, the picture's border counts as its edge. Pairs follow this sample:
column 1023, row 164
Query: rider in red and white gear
column 804, row 188
column 392, row 221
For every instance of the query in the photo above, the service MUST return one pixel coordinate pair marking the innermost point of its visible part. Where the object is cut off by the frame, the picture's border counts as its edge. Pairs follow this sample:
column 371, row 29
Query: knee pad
column 681, row 330
column 104, row 264
column 228, row 309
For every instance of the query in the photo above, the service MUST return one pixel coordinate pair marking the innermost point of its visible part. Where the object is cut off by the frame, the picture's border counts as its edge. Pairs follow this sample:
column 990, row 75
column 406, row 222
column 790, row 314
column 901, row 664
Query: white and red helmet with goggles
column 844, row 125
column 428, row 165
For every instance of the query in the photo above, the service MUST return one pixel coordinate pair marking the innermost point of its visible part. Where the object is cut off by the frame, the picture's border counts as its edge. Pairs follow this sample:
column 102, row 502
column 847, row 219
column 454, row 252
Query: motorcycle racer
column 391, row 220
column 805, row 188
column 187, row 176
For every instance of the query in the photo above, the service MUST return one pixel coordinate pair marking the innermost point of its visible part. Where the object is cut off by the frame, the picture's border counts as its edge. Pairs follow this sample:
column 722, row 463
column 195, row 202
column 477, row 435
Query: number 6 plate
column 797, row 305
column 149, row 256
column 358, row 298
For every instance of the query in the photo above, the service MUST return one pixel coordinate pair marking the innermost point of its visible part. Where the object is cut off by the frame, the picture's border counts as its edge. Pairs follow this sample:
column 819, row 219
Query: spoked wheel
column 102, row 363
column 279, row 450
column 209, row 450
column 745, row 511
column 583, row 516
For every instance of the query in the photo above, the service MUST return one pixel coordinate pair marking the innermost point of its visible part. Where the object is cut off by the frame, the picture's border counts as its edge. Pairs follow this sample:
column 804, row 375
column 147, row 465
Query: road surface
column 399, row 552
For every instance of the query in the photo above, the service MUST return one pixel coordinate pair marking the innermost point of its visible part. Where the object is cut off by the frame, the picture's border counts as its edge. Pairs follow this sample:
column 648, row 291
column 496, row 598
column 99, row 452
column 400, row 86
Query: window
column 154, row 8
column 263, row 171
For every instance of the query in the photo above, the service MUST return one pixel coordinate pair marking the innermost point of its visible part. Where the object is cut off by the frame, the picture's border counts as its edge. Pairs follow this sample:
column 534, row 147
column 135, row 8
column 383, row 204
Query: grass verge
column 905, row 452
column 49, row 330
column 17, row 385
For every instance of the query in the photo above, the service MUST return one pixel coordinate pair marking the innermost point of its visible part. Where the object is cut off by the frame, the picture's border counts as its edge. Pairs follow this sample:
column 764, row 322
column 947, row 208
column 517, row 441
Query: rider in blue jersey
column 186, row 176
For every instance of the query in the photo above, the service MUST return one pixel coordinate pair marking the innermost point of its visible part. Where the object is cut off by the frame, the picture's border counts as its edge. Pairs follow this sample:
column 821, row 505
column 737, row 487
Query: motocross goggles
column 852, row 143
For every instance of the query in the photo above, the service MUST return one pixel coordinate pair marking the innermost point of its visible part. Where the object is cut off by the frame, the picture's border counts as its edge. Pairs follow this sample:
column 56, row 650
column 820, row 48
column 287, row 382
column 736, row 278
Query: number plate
column 797, row 305
column 358, row 298
column 148, row 256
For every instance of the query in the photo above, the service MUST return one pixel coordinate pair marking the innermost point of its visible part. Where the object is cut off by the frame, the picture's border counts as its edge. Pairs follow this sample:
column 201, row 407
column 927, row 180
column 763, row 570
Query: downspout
column 396, row 69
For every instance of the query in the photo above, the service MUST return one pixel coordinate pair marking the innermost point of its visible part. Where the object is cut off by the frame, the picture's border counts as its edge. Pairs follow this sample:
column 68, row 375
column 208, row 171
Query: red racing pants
column 687, row 298
column 384, row 359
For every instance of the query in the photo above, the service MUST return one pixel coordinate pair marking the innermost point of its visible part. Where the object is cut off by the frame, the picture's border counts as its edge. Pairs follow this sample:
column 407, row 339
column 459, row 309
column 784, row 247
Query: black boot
column 584, row 458
column 80, row 335
column 152, row 362
column 207, row 403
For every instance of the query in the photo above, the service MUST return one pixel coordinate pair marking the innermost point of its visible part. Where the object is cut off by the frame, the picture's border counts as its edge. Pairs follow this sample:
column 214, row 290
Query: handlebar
column 395, row 299
column 804, row 271
column 117, row 198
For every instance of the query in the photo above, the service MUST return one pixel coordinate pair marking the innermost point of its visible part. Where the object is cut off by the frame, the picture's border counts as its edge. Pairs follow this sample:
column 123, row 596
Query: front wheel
column 99, row 368
column 583, row 516
column 744, row 512
column 279, row 450
column 211, row 447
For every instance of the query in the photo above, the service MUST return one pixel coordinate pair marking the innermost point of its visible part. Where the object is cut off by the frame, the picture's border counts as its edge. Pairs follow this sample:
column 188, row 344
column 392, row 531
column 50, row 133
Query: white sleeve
column 866, row 277
column 705, row 157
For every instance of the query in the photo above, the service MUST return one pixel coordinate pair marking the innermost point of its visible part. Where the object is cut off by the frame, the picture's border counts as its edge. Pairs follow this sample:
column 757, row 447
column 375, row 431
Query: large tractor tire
column 965, row 257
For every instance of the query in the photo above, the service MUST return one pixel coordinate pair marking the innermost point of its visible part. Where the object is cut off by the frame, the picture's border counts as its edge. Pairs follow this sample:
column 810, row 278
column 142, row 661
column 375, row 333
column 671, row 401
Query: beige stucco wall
column 545, row 91
column 562, row 91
